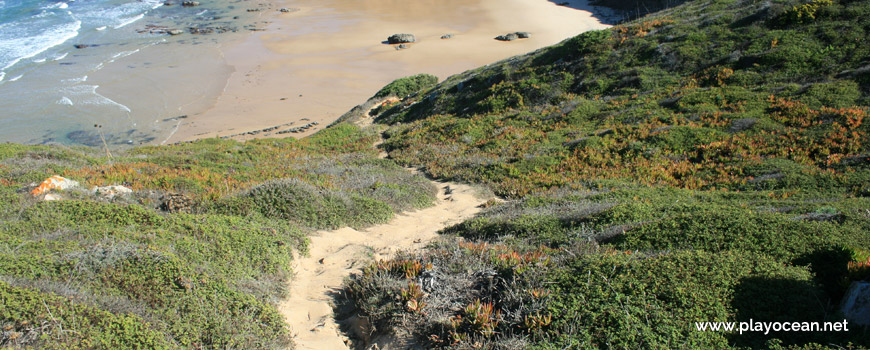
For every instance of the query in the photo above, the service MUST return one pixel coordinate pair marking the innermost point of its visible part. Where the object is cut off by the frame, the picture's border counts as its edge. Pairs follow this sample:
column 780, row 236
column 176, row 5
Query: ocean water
column 72, row 69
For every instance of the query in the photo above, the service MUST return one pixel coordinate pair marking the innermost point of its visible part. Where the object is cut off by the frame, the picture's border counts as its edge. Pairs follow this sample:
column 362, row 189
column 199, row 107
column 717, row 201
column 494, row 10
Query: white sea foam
column 57, row 5
column 61, row 56
column 87, row 95
column 39, row 60
column 64, row 101
column 15, row 49
column 128, row 21
column 101, row 28
column 123, row 54
column 2, row 75
column 76, row 80
column 15, row 78
column 43, row 14
column 121, row 15
column 202, row 12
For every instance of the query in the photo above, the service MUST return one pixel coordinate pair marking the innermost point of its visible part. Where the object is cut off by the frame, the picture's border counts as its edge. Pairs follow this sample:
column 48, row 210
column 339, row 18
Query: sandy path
column 336, row 254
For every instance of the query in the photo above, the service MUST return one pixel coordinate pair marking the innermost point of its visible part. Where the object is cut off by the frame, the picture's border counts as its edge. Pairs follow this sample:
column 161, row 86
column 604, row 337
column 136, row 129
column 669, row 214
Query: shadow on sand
column 605, row 15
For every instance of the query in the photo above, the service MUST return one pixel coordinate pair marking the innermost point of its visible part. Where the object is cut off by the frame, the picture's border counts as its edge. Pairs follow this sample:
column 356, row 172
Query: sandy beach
column 323, row 57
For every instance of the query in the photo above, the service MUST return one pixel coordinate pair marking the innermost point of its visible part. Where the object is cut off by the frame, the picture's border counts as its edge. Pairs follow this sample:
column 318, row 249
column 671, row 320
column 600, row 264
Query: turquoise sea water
column 66, row 66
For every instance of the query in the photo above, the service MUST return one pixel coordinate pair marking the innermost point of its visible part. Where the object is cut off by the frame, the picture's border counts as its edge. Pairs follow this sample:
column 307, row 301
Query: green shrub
column 838, row 94
column 408, row 85
column 681, row 139
column 30, row 318
column 298, row 201
column 622, row 300
column 805, row 13
column 718, row 228
column 588, row 42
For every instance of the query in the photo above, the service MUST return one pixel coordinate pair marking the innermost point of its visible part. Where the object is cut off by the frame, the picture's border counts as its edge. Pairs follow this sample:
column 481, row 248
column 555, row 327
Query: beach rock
column 402, row 46
column 401, row 38
column 81, row 46
column 109, row 192
column 856, row 303
column 168, row 3
column 507, row 37
column 194, row 30
column 189, row 3
column 447, row 36
column 55, row 182
column 175, row 32
column 514, row 36
column 286, row 10
column 298, row 129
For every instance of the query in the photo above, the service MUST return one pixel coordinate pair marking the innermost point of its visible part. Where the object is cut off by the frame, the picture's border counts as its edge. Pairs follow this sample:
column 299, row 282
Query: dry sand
column 336, row 254
column 320, row 61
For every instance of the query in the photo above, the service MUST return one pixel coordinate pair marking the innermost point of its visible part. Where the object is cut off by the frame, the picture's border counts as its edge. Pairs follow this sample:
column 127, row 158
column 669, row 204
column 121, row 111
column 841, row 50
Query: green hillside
column 198, row 256
column 708, row 162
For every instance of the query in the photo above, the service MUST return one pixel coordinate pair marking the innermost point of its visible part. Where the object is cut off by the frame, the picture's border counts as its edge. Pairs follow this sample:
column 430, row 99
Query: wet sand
column 326, row 56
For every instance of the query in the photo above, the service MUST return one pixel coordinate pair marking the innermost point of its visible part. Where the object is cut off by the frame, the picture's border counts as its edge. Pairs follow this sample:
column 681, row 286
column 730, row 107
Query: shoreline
column 129, row 78
column 316, row 62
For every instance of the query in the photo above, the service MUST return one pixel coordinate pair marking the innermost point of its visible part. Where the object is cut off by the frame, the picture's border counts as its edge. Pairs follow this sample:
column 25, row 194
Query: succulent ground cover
column 707, row 162
column 199, row 254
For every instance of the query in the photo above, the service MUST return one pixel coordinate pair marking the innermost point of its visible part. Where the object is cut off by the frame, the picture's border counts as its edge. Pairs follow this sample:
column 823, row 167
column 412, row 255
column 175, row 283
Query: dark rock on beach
column 206, row 30
column 447, row 36
column 155, row 29
column 514, row 36
column 507, row 37
column 190, row 3
column 299, row 129
column 401, row 38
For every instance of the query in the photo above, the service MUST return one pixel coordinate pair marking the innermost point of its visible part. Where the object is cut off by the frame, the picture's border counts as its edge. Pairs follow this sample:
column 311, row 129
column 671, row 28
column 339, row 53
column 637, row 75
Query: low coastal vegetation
column 708, row 162
column 198, row 256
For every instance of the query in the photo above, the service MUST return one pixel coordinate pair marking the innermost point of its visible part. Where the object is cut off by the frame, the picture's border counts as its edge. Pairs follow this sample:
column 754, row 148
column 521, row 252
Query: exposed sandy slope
column 320, row 61
column 336, row 254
